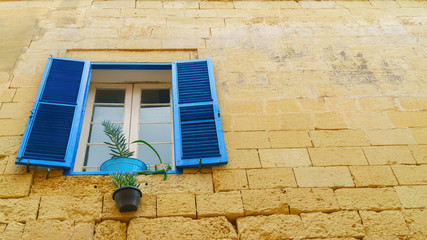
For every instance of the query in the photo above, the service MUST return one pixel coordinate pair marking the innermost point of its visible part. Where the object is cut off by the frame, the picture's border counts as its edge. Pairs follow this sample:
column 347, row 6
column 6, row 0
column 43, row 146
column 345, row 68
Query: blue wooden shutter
column 53, row 129
column 198, row 136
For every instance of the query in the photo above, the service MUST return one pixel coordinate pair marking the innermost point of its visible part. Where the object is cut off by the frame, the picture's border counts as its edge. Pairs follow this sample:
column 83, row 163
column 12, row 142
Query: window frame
column 119, row 66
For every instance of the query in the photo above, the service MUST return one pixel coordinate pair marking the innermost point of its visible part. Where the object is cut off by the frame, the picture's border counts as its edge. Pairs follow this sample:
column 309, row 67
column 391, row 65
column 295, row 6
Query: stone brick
column 25, row 95
column 48, row 229
column 216, row 4
column 323, row 177
column 83, row 230
column 271, row 178
column 311, row 200
column 384, row 223
column 367, row 199
column 397, row 136
column 146, row 208
column 416, row 220
column 181, row 228
column 373, row 176
column 288, row 139
column 329, row 121
column 12, row 127
column 247, row 140
column 297, row 121
column 389, row 155
column 367, row 120
column 71, row 208
column 177, row 204
column 15, row 110
column 9, row 145
column 14, row 186
column 419, row 152
column 226, row 180
column 110, row 229
column 7, row 95
column 264, row 202
column 242, row 107
column 337, row 224
column 377, row 104
column 412, row 196
column 13, row 231
column 176, row 183
column 340, row 105
column 245, row 159
column 282, row 106
column 410, row 175
column 19, row 210
column 278, row 226
column 255, row 122
column 271, row 158
column 420, row 135
column 413, row 103
column 228, row 204
column 340, row 138
column 313, row 104
column 337, row 156
column 408, row 119
column 12, row 168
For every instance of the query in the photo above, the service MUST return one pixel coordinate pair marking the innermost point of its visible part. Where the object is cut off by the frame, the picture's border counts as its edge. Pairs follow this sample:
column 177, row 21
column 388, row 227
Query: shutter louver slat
column 197, row 125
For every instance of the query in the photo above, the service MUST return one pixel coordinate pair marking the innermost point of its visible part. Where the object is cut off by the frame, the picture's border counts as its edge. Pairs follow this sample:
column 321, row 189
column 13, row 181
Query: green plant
column 118, row 145
column 122, row 179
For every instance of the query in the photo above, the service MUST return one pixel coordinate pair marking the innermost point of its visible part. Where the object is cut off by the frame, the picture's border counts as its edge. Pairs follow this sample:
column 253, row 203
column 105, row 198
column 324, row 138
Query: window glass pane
column 97, row 135
column 110, row 96
column 150, row 158
column 96, row 155
column 155, row 132
column 155, row 114
column 112, row 113
column 155, row 96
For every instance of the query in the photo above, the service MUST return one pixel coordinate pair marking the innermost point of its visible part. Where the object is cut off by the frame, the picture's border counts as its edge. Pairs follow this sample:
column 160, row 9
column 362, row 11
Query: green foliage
column 164, row 171
column 118, row 145
column 122, row 179
column 146, row 143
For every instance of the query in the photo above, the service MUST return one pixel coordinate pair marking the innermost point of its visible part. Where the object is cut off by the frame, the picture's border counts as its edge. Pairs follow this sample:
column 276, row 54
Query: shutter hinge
column 31, row 113
column 48, row 171
column 200, row 165
column 28, row 166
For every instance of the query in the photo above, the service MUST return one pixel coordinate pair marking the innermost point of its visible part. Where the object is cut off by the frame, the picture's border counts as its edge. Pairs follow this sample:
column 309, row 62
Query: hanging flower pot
column 127, row 198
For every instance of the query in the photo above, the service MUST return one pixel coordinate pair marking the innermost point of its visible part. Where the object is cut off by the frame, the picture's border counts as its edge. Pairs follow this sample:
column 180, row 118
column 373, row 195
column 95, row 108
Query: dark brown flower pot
column 127, row 198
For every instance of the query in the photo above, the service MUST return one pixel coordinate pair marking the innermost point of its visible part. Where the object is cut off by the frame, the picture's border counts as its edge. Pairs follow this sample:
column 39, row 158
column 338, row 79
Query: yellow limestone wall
column 323, row 104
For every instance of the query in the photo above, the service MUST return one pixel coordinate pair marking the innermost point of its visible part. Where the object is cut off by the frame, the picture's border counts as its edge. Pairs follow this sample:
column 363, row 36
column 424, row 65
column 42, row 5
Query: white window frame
column 131, row 117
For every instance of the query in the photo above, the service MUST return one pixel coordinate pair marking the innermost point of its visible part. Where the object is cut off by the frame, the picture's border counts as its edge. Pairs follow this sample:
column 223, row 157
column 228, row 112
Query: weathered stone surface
column 337, row 224
column 419, row 152
column 14, row 126
column 270, row 178
column 228, row 204
column 367, row 199
column 410, row 175
column 264, row 202
column 176, row 183
column 110, row 229
column 13, row 186
column 372, row 176
column 271, row 158
column 337, row 156
column 416, row 220
column 311, row 200
column 412, row 196
column 48, row 229
column 323, row 177
column 276, row 226
column 384, row 223
column 19, row 210
column 329, row 121
column 227, row 180
column 83, row 230
column 71, row 207
column 340, row 138
column 245, row 159
column 12, row 168
column 146, row 208
column 420, row 135
column 239, row 140
column 9, row 145
column 388, row 155
column 13, row 231
column 397, row 136
column 177, row 204
column 289, row 139
column 181, row 228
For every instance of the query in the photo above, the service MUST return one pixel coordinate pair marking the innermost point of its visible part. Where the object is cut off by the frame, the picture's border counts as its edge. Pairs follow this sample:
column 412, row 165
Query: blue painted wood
column 53, row 130
column 197, row 124
column 132, row 66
